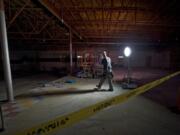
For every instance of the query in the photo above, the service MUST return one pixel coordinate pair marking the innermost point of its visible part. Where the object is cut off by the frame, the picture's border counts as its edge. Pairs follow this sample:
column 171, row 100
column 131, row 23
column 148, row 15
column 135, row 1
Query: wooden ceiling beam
column 18, row 13
column 124, row 22
column 109, row 9
column 47, row 4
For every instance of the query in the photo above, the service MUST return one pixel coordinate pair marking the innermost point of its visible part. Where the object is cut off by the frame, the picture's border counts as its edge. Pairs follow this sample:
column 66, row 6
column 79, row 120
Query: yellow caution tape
column 58, row 123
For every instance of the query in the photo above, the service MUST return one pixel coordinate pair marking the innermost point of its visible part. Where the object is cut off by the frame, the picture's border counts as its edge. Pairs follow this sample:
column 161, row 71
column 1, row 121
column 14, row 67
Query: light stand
column 128, row 84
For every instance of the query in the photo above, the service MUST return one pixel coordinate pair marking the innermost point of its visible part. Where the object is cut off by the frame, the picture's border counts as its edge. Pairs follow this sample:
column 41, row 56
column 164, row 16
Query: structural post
column 2, row 119
column 70, row 50
column 128, row 72
column 5, row 52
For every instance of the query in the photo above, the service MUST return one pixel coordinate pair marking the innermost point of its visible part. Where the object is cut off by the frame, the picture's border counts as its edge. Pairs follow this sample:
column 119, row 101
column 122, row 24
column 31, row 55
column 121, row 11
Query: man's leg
column 110, row 82
column 101, row 81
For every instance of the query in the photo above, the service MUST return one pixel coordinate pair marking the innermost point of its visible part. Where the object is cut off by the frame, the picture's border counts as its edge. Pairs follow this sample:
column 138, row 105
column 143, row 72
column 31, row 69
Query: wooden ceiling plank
column 18, row 13
column 56, row 13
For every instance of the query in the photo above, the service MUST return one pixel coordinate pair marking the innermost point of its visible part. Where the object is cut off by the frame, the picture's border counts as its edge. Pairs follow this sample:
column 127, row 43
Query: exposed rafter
column 93, row 20
column 56, row 12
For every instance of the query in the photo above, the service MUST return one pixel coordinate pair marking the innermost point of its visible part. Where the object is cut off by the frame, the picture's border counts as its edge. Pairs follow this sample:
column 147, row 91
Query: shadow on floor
column 57, row 92
column 166, row 94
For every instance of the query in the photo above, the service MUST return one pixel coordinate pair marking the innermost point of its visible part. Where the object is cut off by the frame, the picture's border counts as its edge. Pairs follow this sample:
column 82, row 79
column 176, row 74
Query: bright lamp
column 127, row 51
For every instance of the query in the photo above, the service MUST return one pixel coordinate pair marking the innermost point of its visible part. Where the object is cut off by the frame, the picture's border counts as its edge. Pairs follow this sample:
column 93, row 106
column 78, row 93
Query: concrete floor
column 24, row 84
column 136, row 116
column 54, row 102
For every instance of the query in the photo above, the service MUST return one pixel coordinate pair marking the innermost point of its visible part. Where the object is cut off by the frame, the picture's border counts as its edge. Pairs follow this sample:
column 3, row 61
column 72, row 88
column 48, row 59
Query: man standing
column 107, row 72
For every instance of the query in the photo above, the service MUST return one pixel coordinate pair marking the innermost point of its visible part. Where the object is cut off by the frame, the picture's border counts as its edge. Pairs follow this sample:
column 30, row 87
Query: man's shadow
column 58, row 92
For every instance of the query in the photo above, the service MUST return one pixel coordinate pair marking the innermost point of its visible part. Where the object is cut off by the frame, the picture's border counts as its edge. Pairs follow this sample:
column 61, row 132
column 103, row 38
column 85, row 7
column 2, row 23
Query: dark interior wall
column 151, row 59
column 140, row 57
column 145, row 57
column 28, row 61
column 49, row 60
column 175, row 57
column 23, row 63
column 46, row 60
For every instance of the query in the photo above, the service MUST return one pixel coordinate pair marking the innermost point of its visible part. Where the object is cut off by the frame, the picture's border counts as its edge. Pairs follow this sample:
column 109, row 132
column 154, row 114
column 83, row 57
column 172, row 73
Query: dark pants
column 105, row 76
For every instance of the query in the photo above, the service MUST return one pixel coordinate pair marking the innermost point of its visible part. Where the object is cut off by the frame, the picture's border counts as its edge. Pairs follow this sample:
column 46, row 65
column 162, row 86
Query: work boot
column 110, row 89
column 97, row 87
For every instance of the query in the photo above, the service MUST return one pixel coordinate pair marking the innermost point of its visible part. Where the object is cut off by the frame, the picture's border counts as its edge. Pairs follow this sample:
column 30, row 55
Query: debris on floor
column 53, row 84
column 70, row 81
column 11, row 110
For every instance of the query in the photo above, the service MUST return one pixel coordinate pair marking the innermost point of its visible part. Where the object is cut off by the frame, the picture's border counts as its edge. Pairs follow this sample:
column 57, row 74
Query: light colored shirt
column 107, row 64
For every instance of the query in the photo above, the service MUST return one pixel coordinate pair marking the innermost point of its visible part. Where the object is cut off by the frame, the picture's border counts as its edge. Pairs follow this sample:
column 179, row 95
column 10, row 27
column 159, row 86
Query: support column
column 70, row 51
column 5, row 52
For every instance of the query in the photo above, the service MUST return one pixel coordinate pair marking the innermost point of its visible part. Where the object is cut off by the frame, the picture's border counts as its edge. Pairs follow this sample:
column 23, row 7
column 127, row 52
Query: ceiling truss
column 92, row 21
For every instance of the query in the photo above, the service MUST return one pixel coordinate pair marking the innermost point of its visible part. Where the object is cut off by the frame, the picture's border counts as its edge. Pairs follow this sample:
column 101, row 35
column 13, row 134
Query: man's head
column 104, row 54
